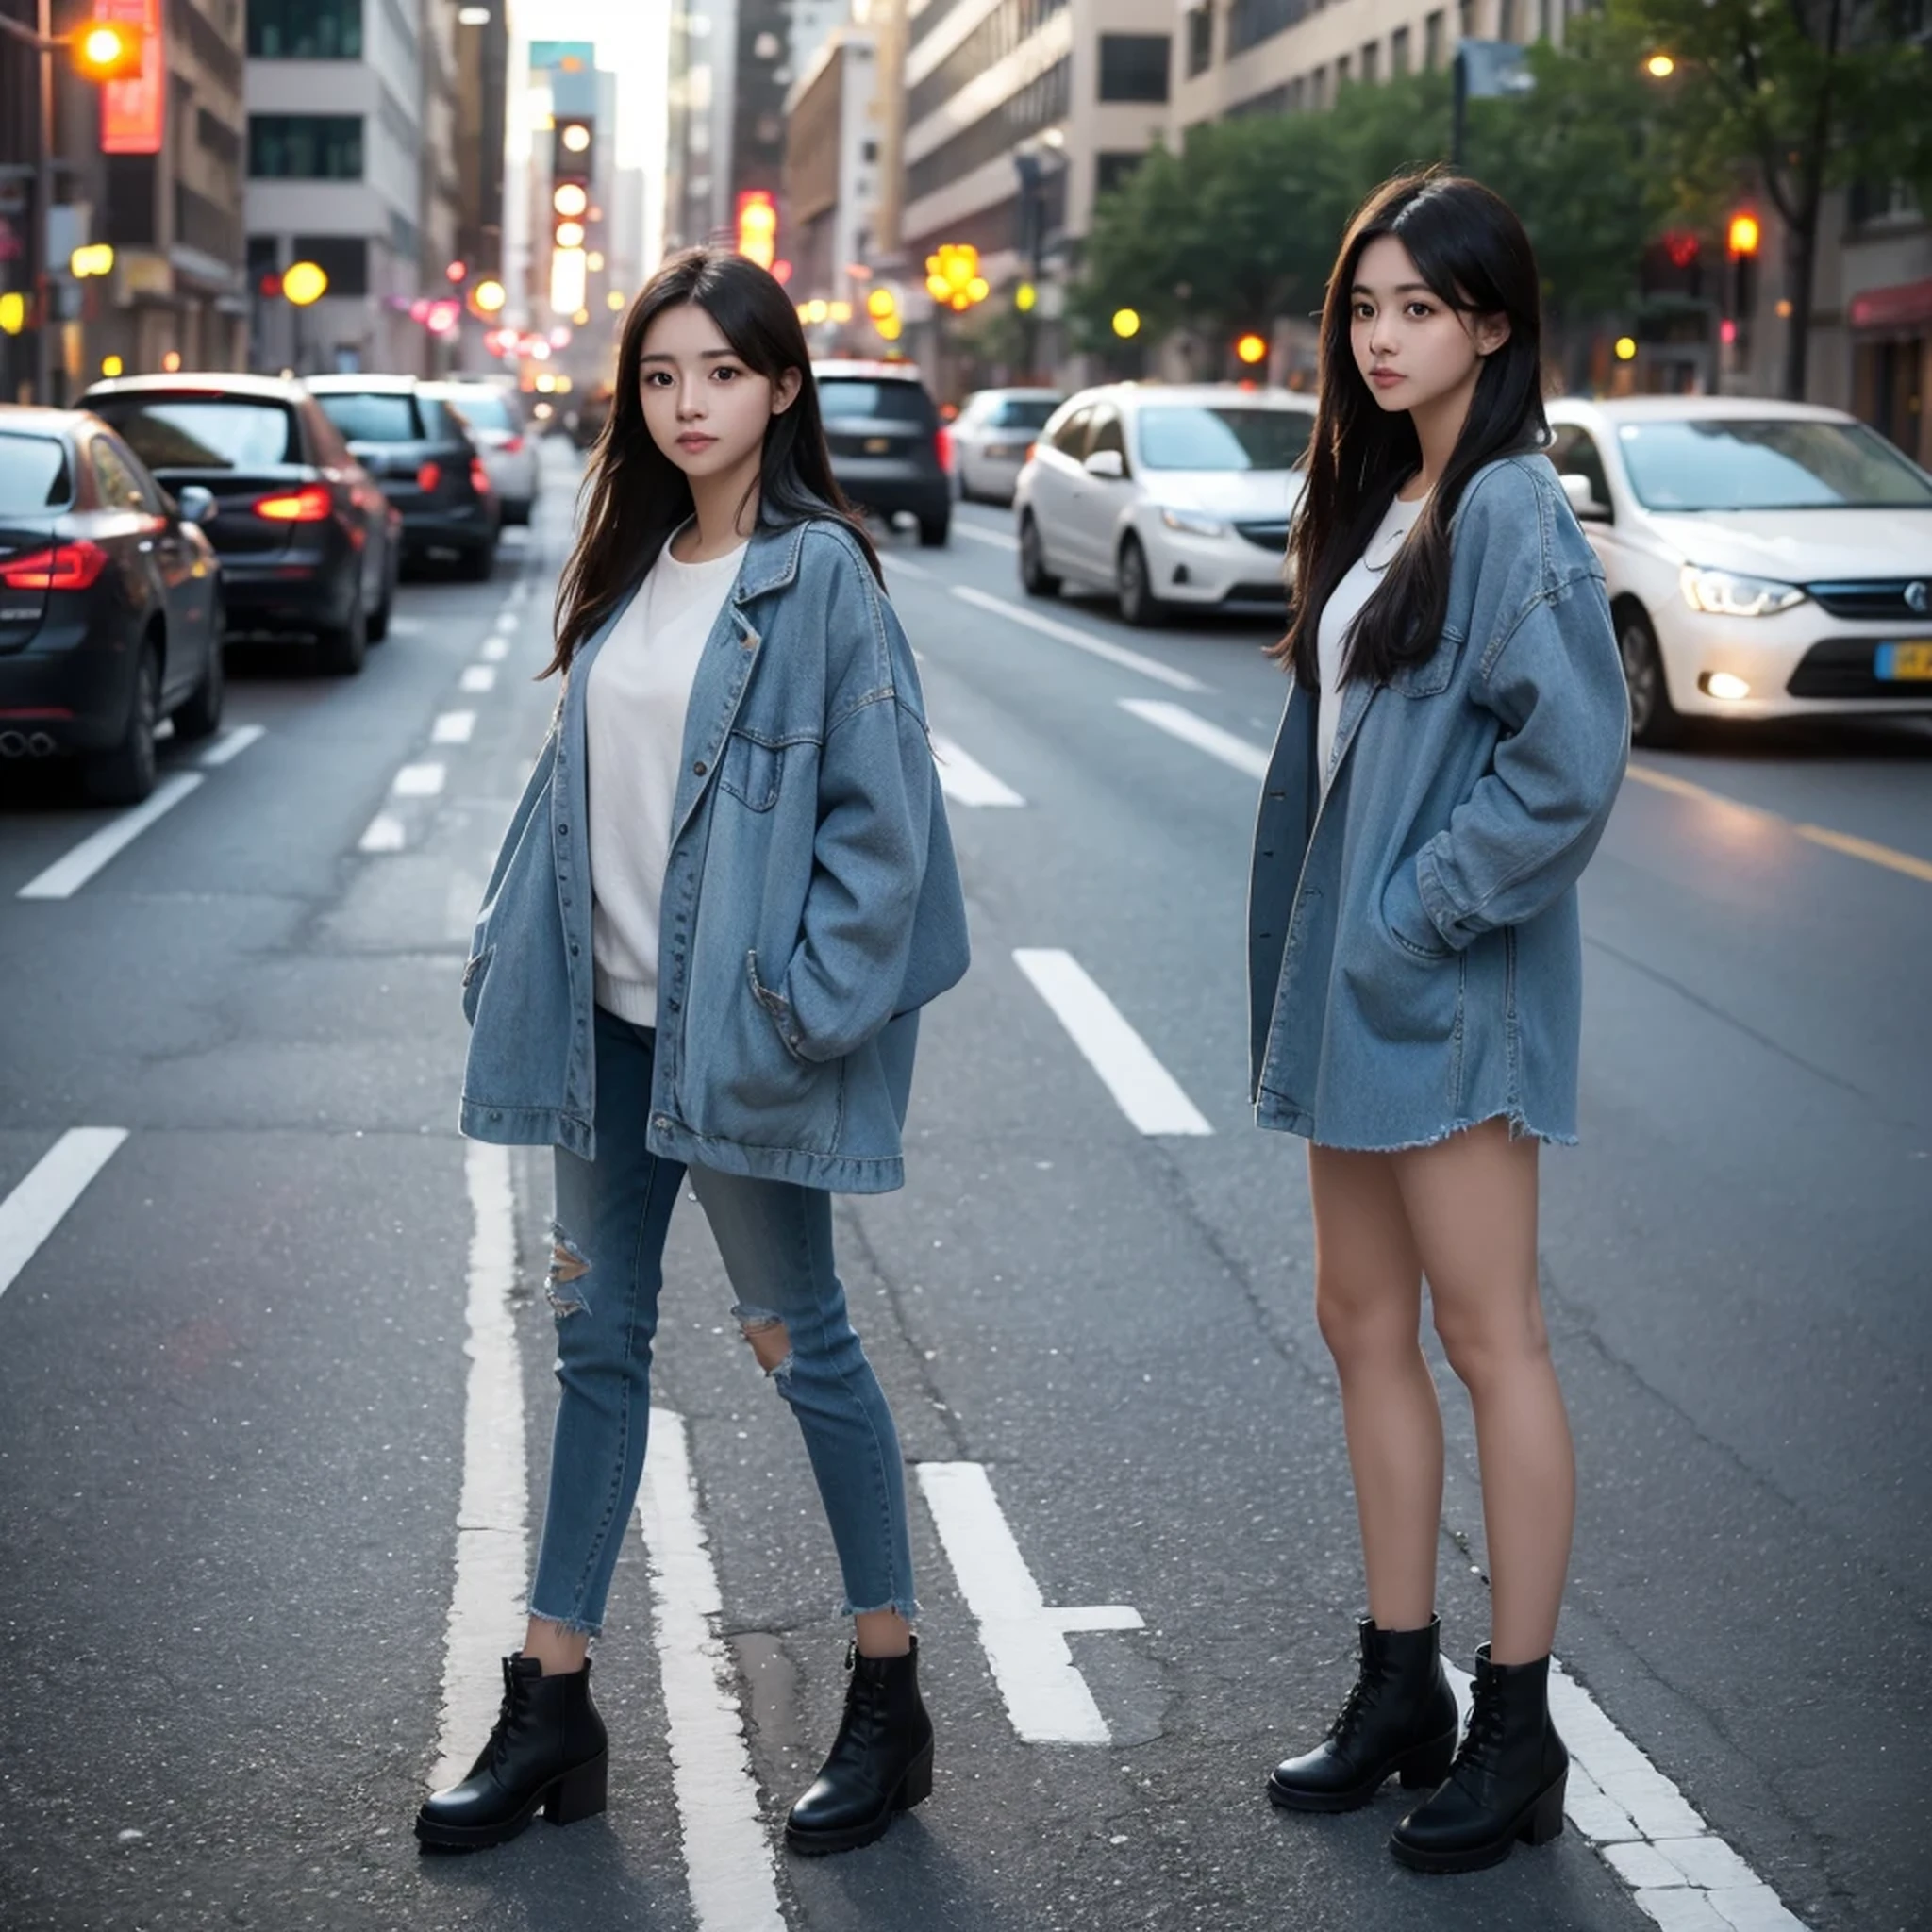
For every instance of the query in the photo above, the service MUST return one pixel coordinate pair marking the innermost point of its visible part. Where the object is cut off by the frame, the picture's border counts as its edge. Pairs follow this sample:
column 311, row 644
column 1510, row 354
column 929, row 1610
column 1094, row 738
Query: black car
column 305, row 538
column 889, row 452
column 110, row 603
column 419, row 449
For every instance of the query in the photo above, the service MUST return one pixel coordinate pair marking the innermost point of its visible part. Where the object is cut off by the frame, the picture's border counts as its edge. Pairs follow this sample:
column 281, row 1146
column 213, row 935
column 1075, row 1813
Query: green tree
column 1801, row 95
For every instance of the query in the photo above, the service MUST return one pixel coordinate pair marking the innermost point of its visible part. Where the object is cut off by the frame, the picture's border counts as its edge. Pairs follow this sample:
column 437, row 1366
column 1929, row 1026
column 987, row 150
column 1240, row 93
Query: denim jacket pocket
column 1429, row 676
column 751, row 770
column 1408, row 922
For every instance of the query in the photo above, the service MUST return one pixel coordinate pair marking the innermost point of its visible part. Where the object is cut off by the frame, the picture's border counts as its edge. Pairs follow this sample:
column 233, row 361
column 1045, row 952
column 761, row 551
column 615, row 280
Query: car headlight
column 1193, row 522
column 1725, row 593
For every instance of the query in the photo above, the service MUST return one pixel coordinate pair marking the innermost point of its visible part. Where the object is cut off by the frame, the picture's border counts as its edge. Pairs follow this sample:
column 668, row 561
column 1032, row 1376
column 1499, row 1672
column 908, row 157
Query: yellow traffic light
column 1024, row 296
column 879, row 304
column 1127, row 321
column 96, row 260
column 1626, row 348
column 106, row 51
column 1744, row 233
column 12, row 313
column 1252, row 348
column 758, row 226
column 303, row 282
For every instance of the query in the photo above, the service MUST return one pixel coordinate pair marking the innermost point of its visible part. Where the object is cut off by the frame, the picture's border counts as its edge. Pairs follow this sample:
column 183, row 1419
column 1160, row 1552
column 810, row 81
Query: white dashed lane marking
column 420, row 781
column 230, row 745
column 66, row 876
column 454, row 727
column 966, row 781
column 39, row 1205
column 1080, row 640
column 496, row 649
column 1190, row 728
column 478, row 677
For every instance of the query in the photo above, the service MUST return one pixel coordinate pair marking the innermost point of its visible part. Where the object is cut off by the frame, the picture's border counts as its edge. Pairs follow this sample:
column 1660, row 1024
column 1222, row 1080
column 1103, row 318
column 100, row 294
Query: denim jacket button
column 699, row 768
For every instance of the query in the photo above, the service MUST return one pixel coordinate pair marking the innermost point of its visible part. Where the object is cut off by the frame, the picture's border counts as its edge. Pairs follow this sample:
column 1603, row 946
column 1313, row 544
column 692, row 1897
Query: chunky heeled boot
column 880, row 1762
column 548, row 1749
column 1507, row 1782
column 1399, row 1717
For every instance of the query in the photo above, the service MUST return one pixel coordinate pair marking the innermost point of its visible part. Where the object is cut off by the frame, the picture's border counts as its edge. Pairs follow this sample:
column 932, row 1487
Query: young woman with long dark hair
column 726, row 895
column 1451, row 745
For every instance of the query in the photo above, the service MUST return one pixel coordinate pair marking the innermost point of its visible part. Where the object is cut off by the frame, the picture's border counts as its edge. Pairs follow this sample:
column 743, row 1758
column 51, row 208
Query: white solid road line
column 1003, row 540
column 965, row 780
column 386, row 833
column 231, row 744
column 1080, row 640
column 478, row 677
column 1190, row 728
column 486, row 1603
column 727, row 1857
column 454, row 727
column 1046, row 1697
column 1680, row 1873
column 37, row 1206
column 66, row 876
column 1146, row 1093
column 420, row 781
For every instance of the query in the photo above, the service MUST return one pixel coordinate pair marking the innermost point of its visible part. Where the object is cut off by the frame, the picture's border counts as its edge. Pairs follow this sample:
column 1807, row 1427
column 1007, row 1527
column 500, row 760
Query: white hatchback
column 1171, row 497
column 1764, row 560
column 494, row 413
column 991, row 435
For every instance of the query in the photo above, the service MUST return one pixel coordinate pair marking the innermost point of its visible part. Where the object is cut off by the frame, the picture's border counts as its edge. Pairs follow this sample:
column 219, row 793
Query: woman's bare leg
column 1368, row 1300
column 1470, row 1203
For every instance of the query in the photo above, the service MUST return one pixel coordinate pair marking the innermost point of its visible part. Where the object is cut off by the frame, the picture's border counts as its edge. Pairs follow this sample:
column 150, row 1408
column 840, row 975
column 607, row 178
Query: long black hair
column 635, row 496
column 1471, row 250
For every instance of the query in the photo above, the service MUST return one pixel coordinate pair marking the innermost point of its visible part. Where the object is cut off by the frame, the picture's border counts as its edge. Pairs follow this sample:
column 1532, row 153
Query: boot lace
column 1361, row 1699
column 512, row 1698
column 1482, row 1742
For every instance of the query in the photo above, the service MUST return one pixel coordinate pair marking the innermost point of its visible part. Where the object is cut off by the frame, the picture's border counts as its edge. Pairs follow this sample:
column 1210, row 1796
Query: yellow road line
column 1872, row 854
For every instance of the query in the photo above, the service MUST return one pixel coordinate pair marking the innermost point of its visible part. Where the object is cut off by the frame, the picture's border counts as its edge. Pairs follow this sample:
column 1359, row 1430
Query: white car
column 991, row 435
column 494, row 414
column 1764, row 560
column 1171, row 495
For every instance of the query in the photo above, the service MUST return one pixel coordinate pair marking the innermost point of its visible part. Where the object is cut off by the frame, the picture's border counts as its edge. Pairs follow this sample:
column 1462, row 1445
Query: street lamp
column 1660, row 66
column 1126, row 322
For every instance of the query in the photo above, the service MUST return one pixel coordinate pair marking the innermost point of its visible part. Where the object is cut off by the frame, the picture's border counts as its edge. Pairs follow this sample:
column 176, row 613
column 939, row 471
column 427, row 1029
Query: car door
column 368, row 507
column 1574, row 452
column 185, row 559
column 1102, row 501
column 150, row 553
column 1057, row 480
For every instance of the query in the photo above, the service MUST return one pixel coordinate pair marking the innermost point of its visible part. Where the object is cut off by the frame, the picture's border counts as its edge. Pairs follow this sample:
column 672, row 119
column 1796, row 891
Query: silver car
column 991, row 438
column 494, row 412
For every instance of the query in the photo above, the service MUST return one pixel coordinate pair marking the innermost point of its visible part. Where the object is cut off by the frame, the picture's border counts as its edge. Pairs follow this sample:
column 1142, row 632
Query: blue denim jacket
column 1414, row 956
column 812, row 901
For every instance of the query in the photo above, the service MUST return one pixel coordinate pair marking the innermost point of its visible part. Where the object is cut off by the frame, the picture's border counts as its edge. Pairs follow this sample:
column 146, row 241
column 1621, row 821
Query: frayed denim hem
column 1291, row 1120
column 572, row 1626
column 905, row 1606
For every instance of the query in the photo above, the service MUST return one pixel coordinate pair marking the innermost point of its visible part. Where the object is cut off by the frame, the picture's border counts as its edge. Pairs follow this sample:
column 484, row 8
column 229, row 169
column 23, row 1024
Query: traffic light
column 758, row 226
column 572, row 149
column 952, row 275
column 1743, row 234
column 1252, row 348
column 882, row 305
column 107, row 50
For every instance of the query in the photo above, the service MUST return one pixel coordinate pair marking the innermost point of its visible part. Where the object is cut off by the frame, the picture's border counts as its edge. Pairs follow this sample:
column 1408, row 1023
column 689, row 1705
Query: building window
column 1111, row 170
column 1200, row 41
column 869, row 152
column 1133, row 67
column 1318, row 89
column 304, row 147
column 1432, row 40
column 1251, row 21
column 1036, row 106
column 1505, row 20
column 343, row 259
column 1003, row 31
column 1398, row 51
column 1372, row 62
column 305, row 30
column 1343, row 75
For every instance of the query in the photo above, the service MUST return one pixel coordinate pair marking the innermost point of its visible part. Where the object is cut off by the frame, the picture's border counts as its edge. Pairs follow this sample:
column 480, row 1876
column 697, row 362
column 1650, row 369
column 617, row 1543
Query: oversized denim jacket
column 812, row 901
column 1414, row 954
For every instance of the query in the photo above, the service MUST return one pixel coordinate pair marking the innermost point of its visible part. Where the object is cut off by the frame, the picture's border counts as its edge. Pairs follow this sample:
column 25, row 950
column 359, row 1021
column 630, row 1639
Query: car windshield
column 1222, row 436
column 1024, row 412
column 894, row 402
column 372, row 415
column 33, row 476
column 483, row 408
column 201, row 432
column 1790, row 464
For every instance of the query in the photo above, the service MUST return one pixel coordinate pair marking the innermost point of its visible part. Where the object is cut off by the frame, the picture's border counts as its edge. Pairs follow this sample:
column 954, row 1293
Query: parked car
column 1764, row 560
column 890, row 454
column 110, row 603
column 991, row 435
column 420, row 449
column 494, row 412
column 307, row 545
column 1171, row 495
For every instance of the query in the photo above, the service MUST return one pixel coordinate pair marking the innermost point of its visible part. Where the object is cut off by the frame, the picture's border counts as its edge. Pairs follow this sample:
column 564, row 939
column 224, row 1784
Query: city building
column 829, row 210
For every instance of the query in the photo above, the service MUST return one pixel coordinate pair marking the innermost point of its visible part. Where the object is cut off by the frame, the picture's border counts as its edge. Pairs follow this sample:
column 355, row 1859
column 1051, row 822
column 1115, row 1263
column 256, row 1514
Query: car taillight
column 479, row 477
column 942, row 448
column 309, row 505
column 428, row 478
column 514, row 448
column 62, row 567
column 1030, row 448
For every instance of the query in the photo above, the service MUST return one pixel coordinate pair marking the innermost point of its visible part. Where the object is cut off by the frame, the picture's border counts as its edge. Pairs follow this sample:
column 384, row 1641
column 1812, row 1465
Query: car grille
column 1885, row 600
column 1843, row 668
column 1269, row 535
column 1263, row 593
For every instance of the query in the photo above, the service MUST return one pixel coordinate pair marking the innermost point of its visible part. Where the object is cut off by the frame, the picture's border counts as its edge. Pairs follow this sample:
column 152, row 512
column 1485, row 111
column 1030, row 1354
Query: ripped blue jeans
column 605, row 1272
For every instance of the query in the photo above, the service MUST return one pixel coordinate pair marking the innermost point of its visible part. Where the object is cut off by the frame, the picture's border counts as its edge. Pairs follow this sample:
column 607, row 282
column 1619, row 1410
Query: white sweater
column 1345, row 603
column 634, row 712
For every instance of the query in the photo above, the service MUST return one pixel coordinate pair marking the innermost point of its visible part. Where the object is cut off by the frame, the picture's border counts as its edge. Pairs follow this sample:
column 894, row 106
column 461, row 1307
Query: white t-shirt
column 634, row 712
column 1339, row 613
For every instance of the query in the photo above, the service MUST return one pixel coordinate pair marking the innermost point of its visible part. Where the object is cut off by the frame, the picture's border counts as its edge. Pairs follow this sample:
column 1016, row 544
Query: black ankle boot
column 1507, row 1782
column 1398, row 1718
column 880, row 1762
column 548, row 1749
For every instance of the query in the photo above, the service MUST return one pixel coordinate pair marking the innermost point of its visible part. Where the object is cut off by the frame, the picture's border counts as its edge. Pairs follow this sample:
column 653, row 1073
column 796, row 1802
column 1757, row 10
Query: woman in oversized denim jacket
column 1416, row 971
column 806, row 905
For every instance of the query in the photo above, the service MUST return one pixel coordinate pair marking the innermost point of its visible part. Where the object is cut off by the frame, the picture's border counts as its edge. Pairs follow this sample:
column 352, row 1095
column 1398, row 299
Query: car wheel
column 200, row 716
column 342, row 649
column 478, row 563
column 933, row 532
column 1035, row 578
column 124, row 774
column 1139, row 604
column 1654, row 720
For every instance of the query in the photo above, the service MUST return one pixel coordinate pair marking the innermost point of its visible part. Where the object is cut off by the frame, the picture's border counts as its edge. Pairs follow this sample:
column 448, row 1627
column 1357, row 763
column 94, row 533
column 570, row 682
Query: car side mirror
column 196, row 503
column 1582, row 494
column 1107, row 464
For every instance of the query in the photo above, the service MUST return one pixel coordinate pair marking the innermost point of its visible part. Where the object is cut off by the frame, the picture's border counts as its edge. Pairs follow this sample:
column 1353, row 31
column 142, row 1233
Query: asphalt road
column 233, row 1374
